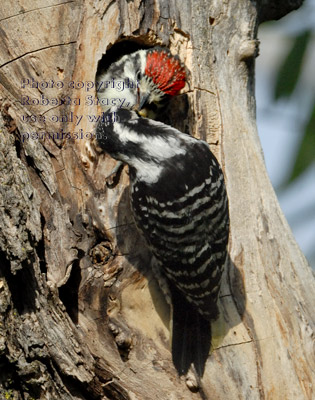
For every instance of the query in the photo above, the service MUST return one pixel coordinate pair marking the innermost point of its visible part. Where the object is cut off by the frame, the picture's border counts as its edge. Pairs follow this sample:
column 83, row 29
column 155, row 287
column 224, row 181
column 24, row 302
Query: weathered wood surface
column 81, row 316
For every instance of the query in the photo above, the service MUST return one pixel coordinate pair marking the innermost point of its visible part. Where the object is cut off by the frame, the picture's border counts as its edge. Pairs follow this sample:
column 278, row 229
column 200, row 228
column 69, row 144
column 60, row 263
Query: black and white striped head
column 140, row 80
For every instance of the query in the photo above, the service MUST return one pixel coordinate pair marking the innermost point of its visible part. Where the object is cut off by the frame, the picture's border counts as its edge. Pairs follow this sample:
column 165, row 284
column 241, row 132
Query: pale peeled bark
column 61, row 228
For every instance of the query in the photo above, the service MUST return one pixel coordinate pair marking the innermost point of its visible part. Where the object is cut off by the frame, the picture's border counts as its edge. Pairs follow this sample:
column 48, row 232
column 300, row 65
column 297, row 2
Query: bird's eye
column 138, row 76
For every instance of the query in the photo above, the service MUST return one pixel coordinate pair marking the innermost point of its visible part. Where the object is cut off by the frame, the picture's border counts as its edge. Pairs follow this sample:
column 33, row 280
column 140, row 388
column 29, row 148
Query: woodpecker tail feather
column 191, row 337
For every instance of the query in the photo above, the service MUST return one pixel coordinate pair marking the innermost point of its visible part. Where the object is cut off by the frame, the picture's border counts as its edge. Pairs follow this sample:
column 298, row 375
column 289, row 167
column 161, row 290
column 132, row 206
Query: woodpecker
column 143, row 80
column 180, row 206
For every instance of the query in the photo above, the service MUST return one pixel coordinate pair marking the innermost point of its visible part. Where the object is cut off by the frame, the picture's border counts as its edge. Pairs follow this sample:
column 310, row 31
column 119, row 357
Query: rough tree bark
column 80, row 316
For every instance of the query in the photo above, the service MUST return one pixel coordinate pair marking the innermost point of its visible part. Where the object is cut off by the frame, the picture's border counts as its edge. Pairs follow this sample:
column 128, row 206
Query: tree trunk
column 80, row 315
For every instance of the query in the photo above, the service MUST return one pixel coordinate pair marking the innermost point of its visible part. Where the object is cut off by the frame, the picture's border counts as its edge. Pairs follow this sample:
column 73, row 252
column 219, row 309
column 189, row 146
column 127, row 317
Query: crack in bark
column 234, row 344
column 225, row 295
column 36, row 51
column 247, row 341
column 52, row 108
column 119, row 226
column 107, row 8
column 35, row 9
column 204, row 90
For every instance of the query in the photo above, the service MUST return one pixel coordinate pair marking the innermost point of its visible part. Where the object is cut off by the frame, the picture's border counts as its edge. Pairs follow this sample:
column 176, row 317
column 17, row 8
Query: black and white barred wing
column 186, row 224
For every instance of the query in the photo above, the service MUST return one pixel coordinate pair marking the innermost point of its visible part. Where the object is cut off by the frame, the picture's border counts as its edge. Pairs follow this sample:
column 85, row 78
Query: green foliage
column 287, row 79
column 289, row 71
column 306, row 153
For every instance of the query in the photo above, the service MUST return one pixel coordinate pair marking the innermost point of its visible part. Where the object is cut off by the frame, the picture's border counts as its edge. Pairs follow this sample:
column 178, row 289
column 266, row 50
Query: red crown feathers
column 166, row 71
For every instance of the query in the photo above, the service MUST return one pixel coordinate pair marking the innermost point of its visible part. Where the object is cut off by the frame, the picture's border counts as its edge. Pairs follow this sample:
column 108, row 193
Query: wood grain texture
column 81, row 316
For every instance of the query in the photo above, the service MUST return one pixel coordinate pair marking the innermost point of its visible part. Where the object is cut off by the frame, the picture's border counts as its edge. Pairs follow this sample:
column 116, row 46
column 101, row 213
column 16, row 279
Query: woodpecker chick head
column 164, row 76
column 141, row 80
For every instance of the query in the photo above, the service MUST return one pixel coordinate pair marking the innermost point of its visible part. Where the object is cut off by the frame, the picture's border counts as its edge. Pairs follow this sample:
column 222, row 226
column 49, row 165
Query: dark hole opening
column 69, row 292
column 175, row 111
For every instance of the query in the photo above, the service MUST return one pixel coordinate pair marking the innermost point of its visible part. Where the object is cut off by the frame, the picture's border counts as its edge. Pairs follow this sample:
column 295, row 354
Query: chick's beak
column 143, row 98
column 143, row 113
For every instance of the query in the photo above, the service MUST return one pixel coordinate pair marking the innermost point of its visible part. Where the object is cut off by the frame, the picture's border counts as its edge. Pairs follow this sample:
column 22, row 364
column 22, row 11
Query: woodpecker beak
column 143, row 99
